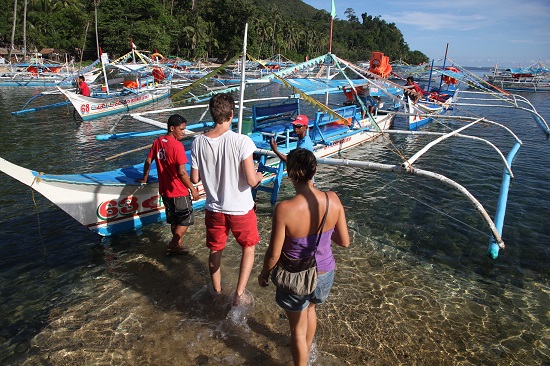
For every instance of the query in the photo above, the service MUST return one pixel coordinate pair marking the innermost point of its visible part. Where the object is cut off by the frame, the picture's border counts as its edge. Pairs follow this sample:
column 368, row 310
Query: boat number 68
column 126, row 206
column 85, row 108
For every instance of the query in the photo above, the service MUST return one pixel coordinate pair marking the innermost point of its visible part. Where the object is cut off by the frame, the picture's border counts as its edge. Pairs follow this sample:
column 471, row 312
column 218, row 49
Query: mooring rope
column 37, row 179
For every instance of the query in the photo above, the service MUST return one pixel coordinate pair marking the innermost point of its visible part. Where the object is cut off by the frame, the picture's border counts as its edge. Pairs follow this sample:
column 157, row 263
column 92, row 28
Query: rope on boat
column 38, row 179
column 475, row 77
column 201, row 80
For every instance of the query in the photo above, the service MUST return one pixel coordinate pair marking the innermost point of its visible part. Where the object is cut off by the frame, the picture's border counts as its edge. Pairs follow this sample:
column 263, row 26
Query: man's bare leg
column 214, row 264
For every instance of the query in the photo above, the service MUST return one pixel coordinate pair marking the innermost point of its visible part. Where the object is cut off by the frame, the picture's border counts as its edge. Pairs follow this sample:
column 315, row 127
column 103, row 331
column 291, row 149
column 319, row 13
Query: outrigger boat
column 113, row 202
column 136, row 91
column 40, row 73
column 103, row 103
column 535, row 78
column 438, row 99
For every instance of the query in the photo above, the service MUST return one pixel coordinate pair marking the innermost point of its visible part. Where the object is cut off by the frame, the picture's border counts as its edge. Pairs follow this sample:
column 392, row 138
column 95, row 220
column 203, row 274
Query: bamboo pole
column 187, row 135
column 148, row 146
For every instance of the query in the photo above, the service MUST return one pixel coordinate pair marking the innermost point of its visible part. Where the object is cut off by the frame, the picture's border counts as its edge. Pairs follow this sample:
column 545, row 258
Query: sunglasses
column 297, row 126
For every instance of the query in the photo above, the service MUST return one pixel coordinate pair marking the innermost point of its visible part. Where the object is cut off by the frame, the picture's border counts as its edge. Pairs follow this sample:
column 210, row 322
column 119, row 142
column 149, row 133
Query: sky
column 479, row 32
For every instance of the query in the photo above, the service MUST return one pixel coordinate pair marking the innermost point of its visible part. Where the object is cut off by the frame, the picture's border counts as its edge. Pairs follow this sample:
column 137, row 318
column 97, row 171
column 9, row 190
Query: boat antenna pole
column 241, row 98
column 444, row 61
column 104, row 60
column 96, row 33
column 430, row 77
column 133, row 46
column 332, row 15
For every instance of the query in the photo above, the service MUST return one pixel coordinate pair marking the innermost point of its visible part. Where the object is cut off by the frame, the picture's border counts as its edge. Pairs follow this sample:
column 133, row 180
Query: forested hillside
column 199, row 29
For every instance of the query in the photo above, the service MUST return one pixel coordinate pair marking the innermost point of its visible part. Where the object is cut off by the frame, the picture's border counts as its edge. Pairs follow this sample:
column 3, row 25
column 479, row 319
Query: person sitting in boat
column 375, row 104
column 300, row 125
column 369, row 102
column 414, row 90
column 83, row 86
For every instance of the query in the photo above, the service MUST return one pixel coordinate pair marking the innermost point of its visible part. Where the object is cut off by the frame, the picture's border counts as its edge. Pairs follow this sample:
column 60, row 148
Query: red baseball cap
column 301, row 119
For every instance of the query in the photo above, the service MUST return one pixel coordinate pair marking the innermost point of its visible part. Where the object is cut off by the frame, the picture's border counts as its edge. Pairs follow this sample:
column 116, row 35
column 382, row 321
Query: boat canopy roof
column 317, row 86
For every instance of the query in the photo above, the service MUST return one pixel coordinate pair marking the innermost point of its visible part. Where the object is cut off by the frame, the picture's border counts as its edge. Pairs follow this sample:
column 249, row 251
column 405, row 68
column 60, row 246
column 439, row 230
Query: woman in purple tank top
column 294, row 230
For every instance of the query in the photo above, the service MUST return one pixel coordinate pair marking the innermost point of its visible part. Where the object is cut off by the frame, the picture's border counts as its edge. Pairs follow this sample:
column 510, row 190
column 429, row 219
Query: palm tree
column 73, row 4
column 211, row 41
column 25, row 30
column 264, row 32
column 96, row 3
column 13, row 28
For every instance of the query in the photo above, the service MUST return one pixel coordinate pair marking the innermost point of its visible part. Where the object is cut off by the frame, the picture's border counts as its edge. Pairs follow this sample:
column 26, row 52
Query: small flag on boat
column 132, row 44
column 333, row 10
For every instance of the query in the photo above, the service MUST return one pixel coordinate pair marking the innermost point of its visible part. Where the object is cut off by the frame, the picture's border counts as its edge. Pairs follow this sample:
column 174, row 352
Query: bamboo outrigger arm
column 425, row 173
column 414, row 132
column 513, row 100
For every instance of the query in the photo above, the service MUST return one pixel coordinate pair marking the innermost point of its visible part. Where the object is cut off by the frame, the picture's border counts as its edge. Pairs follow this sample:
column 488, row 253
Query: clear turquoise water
column 415, row 287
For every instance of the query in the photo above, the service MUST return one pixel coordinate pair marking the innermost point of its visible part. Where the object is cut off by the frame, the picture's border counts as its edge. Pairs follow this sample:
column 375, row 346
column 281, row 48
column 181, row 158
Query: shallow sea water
column 414, row 288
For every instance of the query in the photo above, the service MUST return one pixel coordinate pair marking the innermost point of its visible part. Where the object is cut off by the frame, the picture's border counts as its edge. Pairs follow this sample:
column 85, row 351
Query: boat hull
column 90, row 108
column 113, row 202
column 420, row 113
column 30, row 82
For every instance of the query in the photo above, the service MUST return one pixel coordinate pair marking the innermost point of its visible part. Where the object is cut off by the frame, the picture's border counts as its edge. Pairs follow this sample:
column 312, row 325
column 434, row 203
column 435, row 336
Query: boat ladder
column 277, row 172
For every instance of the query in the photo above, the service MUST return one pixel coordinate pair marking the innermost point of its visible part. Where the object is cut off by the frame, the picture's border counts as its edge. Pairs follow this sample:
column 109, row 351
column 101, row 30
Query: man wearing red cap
column 300, row 127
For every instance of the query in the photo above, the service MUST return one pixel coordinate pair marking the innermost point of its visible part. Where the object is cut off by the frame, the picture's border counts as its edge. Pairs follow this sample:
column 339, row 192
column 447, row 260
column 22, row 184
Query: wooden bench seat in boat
column 327, row 127
column 275, row 117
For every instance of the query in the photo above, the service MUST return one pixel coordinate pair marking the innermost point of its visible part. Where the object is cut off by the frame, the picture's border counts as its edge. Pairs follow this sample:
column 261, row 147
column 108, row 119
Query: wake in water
column 238, row 307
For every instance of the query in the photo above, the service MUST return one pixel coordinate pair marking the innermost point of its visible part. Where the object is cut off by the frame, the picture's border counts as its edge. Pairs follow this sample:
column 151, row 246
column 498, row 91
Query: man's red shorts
column 244, row 228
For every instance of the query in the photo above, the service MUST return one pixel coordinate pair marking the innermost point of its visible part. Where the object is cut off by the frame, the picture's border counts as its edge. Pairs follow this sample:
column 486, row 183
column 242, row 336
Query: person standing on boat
column 223, row 161
column 300, row 125
column 295, row 228
column 83, row 86
column 174, row 182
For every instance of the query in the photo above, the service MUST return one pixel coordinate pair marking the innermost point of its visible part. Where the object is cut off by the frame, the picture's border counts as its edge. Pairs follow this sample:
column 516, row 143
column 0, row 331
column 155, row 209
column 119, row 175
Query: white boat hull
column 92, row 107
column 113, row 202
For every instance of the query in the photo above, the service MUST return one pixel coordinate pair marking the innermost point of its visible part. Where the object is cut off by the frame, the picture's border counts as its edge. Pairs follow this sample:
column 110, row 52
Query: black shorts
column 179, row 210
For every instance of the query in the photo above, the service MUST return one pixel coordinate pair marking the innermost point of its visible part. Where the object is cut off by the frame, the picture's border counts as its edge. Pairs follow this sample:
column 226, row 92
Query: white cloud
column 438, row 21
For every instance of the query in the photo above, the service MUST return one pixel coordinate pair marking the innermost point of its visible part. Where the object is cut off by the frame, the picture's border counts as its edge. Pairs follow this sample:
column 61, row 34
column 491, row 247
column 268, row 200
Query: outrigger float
column 113, row 202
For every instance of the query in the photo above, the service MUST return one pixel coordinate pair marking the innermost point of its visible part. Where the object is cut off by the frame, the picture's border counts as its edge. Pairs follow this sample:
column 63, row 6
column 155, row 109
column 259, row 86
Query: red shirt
column 418, row 89
column 169, row 154
column 84, row 90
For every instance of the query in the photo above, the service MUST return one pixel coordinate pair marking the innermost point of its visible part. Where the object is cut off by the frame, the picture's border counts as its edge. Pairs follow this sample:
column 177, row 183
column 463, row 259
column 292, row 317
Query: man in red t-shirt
column 418, row 91
column 83, row 87
column 174, row 182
